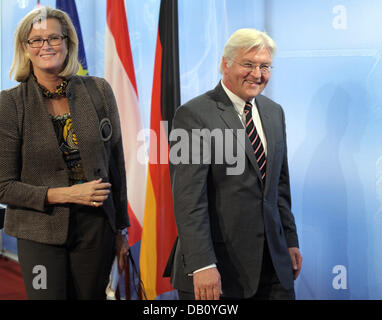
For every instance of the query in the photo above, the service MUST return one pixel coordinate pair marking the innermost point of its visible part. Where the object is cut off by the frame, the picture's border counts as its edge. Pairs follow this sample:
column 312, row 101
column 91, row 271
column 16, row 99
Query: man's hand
column 207, row 284
column 296, row 259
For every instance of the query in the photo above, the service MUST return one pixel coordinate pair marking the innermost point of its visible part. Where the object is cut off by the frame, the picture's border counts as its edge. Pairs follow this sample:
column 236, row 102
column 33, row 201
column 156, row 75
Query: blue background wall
column 327, row 76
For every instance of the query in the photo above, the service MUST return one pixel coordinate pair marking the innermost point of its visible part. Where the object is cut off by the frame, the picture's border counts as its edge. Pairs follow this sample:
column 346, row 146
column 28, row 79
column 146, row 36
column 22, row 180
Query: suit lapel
column 231, row 119
column 35, row 106
column 86, row 126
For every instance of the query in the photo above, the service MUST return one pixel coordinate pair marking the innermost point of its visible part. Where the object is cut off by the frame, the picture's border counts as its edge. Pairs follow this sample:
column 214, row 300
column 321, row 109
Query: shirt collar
column 238, row 102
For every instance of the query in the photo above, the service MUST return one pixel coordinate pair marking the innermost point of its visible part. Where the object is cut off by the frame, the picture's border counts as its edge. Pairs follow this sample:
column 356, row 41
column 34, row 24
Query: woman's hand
column 122, row 251
column 92, row 193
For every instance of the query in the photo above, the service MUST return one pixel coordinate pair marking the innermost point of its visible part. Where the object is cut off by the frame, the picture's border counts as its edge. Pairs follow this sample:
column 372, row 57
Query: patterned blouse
column 68, row 144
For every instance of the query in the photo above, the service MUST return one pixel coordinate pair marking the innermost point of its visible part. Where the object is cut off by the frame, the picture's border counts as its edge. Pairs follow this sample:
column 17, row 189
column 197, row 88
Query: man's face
column 243, row 81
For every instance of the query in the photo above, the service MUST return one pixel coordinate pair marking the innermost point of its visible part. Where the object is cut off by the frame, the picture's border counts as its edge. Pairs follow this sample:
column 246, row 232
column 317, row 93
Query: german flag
column 159, row 229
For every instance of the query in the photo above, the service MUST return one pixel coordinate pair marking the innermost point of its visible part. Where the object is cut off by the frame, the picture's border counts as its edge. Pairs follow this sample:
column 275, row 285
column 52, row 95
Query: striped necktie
column 255, row 140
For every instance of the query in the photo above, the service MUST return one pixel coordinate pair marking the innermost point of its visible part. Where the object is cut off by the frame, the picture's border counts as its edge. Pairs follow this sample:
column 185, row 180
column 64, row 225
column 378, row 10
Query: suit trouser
column 79, row 269
column 269, row 287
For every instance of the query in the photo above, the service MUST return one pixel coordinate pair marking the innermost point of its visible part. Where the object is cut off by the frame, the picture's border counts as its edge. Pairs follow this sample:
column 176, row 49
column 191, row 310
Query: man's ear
column 224, row 64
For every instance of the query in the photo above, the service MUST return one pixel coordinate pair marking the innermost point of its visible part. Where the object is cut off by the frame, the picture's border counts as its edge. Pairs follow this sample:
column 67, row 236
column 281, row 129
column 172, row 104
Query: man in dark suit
column 236, row 233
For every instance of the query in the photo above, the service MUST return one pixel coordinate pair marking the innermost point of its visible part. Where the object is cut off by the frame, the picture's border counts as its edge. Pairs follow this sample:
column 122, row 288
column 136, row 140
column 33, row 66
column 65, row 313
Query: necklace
column 59, row 92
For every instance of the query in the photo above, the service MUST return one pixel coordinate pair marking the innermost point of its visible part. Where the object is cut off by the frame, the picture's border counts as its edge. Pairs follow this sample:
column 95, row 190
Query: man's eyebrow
column 250, row 61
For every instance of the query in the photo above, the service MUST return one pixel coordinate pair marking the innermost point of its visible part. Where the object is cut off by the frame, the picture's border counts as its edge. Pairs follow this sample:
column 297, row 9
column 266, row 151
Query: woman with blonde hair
column 68, row 216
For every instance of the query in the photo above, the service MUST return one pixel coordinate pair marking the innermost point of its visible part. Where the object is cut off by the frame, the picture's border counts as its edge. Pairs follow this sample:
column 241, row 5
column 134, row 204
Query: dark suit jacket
column 225, row 219
column 31, row 162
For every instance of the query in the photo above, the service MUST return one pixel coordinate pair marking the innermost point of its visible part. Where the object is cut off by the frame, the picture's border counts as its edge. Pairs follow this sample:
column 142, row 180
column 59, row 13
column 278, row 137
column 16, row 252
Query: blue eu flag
column 69, row 6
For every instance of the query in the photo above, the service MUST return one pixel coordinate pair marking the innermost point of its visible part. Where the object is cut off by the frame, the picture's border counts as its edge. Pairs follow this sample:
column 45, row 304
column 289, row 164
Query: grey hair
column 21, row 65
column 247, row 39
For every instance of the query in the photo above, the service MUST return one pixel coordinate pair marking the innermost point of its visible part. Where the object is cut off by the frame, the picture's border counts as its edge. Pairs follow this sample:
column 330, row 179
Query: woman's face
column 47, row 59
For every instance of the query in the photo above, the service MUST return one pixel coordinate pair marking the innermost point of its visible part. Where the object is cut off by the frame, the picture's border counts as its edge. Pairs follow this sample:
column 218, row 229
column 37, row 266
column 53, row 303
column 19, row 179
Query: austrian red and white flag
column 119, row 72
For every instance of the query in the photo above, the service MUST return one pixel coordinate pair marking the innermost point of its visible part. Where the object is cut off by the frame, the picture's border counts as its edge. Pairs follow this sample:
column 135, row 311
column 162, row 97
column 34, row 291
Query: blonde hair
column 21, row 65
column 247, row 39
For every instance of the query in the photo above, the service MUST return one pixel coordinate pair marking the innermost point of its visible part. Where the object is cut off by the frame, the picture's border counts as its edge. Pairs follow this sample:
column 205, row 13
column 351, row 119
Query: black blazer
column 31, row 162
column 225, row 219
